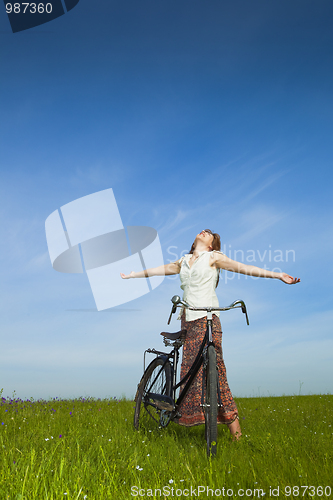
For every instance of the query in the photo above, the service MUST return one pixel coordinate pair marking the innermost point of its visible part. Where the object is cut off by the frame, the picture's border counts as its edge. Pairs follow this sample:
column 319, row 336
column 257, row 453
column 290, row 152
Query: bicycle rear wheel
column 211, row 402
column 156, row 381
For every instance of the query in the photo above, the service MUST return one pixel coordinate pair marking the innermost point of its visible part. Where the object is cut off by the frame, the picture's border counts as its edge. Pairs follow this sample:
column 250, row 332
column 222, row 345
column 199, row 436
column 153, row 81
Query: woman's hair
column 216, row 245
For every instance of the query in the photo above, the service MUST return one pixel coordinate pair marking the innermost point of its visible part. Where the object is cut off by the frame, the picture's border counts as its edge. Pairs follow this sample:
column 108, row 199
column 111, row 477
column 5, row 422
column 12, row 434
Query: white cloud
column 256, row 221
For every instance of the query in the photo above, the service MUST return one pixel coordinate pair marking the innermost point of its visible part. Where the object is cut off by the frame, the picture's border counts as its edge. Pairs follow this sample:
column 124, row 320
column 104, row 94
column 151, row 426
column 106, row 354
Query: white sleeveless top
column 199, row 283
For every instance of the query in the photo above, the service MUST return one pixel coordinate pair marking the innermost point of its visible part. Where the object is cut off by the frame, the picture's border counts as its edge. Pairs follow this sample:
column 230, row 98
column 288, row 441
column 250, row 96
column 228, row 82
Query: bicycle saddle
column 174, row 336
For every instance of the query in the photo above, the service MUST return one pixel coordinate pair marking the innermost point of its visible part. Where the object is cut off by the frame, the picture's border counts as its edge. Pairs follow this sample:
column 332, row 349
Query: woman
column 199, row 273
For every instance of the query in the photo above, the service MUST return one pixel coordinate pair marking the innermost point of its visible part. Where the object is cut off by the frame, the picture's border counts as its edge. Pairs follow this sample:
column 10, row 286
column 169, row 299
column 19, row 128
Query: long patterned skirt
column 190, row 409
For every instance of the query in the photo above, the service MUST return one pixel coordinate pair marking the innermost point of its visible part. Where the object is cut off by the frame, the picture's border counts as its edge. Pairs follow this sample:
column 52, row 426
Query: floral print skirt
column 190, row 409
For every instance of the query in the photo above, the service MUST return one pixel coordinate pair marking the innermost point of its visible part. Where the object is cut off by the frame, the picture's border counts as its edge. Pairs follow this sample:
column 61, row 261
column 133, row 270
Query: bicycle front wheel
column 156, row 381
column 211, row 402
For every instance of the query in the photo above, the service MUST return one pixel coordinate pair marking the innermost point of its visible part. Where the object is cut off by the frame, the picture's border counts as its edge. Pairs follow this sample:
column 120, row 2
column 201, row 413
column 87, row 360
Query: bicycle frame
column 191, row 374
column 173, row 356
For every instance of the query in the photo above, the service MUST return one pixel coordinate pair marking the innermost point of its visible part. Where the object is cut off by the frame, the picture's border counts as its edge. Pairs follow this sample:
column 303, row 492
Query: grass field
column 88, row 449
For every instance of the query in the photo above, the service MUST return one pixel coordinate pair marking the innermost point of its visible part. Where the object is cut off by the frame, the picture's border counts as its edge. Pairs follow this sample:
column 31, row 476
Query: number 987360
column 31, row 8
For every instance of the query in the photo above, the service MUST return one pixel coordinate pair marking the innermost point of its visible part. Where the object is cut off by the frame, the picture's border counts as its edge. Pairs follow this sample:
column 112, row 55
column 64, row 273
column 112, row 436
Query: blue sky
column 198, row 115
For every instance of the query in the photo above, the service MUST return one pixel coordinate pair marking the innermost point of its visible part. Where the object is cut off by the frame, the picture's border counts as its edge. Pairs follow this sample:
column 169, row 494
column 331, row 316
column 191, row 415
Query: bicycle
column 156, row 393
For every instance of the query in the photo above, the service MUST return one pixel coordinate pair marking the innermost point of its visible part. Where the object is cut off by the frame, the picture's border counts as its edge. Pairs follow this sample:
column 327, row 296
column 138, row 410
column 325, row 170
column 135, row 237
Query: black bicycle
column 156, row 394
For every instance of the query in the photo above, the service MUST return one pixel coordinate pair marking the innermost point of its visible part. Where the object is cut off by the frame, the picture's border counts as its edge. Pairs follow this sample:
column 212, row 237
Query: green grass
column 88, row 449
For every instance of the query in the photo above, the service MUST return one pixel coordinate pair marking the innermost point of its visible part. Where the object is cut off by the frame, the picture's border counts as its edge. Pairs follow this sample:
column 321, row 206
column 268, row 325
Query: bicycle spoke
column 156, row 380
column 211, row 402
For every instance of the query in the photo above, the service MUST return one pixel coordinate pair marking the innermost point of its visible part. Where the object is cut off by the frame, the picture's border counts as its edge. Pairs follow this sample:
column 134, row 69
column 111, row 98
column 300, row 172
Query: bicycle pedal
column 162, row 405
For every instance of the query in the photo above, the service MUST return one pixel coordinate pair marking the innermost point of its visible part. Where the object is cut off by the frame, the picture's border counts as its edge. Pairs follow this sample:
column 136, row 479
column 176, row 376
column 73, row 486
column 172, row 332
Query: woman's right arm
column 165, row 270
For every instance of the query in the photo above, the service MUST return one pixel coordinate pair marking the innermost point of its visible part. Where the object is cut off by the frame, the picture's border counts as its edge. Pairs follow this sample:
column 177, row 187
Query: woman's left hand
column 128, row 276
column 286, row 278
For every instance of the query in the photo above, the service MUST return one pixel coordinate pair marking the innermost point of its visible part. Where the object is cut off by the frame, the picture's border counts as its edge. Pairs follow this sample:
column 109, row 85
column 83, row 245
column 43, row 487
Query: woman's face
column 206, row 237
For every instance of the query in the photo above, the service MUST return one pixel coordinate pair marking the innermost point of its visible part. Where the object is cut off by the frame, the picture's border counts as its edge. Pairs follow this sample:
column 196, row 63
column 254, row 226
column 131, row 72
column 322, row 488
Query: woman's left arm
column 221, row 261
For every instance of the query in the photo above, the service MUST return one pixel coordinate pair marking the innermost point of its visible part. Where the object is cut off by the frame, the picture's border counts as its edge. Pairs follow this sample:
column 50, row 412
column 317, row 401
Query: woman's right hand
column 127, row 276
column 286, row 278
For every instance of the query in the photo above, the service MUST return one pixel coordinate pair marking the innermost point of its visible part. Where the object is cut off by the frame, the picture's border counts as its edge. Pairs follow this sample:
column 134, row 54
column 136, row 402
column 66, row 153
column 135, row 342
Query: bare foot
column 235, row 430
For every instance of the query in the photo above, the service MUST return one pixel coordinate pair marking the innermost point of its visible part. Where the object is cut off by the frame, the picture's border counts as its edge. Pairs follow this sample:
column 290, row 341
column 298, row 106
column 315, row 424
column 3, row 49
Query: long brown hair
column 216, row 245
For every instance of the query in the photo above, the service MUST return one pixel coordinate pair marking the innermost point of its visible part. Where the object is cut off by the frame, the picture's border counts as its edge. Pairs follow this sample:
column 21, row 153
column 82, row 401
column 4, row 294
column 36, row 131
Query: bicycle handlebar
column 177, row 302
